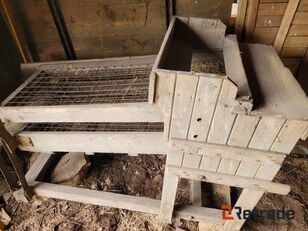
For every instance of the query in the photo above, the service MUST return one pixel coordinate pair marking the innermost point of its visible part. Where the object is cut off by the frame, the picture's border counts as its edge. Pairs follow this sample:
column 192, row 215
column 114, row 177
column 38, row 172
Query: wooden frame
column 108, row 199
column 89, row 142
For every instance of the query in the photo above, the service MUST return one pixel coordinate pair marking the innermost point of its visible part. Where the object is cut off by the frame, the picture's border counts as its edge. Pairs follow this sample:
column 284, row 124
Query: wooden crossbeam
column 108, row 199
column 231, row 152
column 228, row 179
column 88, row 142
column 285, row 25
column 126, row 112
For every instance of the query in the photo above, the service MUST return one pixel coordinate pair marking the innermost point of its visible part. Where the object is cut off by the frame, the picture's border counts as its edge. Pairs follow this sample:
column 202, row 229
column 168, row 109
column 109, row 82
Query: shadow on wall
column 10, row 73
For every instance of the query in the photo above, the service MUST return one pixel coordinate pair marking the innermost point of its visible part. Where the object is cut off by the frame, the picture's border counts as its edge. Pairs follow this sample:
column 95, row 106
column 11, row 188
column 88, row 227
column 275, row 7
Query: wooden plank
column 251, row 18
column 289, row 135
column 296, row 41
column 272, row 8
column 298, row 30
column 298, row 52
column 210, row 31
column 204, row 9
column 300, row 18
column 210, row 163
column 241, row 134
column 164, row 95
column 279, row 92
column 185, row 91
column 237, row 153
column 170, row 186
column 271, row 1
column 264, row 32
column 201, row 214
column 248, row 169
column 101, row 198
column 223, row 118
column 240, row 19
column 121, row 201
column 161, row 56
column 106, row 142
column 39, row 167
column 268, row 20
column 293, row 64
column 266, row 132
column 207, row 94
column 191, row 161
column 243, row 130
column 231, row 180
column 228, row 166
column 126, row 112
column 249, row 198
column 235, row 71
column 303, row 6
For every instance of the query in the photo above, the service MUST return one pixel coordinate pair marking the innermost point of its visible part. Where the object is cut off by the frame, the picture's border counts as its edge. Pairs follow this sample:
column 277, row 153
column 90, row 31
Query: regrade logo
column 271, row 214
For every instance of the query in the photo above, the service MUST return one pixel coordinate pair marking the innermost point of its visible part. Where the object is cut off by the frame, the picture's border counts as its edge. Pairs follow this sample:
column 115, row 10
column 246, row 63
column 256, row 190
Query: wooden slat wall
column 97, row 29
column 109, row 28
column 205, row 8
column 296, row 42
column 268, row 19
column 263, row 20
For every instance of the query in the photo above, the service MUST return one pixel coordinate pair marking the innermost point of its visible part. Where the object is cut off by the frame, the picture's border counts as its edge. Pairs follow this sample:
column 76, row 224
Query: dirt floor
column 143, row 176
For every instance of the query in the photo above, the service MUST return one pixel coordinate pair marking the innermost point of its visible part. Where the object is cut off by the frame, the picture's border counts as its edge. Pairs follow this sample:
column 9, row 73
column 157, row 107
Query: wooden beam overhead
column 285, row 25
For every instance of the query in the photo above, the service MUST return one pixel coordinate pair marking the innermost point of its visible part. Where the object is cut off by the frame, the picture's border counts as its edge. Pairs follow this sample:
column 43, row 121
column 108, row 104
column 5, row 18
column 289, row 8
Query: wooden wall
column 106, row 28
column 205, row 8
column 10, row 74
column 268, row 20
column 282, row 23
column 97, row 28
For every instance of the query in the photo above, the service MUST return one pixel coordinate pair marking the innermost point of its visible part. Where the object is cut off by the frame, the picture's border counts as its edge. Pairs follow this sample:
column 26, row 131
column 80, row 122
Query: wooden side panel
column 184, row 97
column 289, row 135
column 164, row 93
column 266, row 132
column 241, row 135
column 205, row 103
column 243, row 130
column 205, row 9
column 223, row 118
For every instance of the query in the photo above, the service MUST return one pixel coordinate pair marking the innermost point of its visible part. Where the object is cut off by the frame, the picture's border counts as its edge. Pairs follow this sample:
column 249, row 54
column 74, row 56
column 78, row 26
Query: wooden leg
column 247, row 200
column 168, row 195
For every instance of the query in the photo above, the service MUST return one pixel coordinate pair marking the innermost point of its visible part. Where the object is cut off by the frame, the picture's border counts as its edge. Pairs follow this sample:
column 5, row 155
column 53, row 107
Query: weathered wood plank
column 243, row 130
column 223, row 118
column 266, row 132
column 126, row 112
column 88, row 142
column 237, row 153
column 205, row 103
column 290, row 133
column 231, row 180
column 300, row 18
column 184, row 98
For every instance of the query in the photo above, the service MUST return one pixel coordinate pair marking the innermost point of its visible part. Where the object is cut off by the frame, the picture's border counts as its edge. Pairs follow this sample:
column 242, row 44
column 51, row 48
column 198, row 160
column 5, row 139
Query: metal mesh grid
column 96, row 127
column 103, row 85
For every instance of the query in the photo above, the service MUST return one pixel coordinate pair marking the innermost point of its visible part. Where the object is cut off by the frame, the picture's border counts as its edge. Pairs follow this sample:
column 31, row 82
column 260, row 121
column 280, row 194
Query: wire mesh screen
column 96, row 127
column 103, row 85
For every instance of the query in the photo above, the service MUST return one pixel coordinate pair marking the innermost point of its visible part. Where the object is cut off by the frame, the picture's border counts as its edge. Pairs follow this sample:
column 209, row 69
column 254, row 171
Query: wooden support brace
column 227, row 151
column 227, row 179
